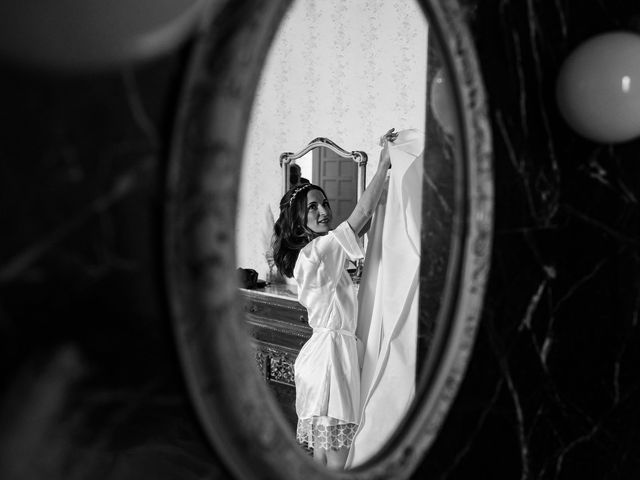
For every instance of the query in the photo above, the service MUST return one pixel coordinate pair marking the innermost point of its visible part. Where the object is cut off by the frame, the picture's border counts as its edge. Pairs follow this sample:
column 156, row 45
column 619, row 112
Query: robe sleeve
column 321, row 262
column 347, row 239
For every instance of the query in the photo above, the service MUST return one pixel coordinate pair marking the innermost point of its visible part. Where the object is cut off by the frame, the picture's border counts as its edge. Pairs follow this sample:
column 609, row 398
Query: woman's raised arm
column 365, row 207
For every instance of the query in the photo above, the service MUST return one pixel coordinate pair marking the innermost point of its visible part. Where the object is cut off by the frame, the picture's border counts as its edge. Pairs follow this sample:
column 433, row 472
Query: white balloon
column 598, row 88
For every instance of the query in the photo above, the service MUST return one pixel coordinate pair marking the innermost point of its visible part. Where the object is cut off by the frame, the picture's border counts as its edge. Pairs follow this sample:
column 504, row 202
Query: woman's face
column 319, row 214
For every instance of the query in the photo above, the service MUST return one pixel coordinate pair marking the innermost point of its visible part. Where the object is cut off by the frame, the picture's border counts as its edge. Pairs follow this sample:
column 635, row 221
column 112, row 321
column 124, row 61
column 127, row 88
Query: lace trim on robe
column 325, row 433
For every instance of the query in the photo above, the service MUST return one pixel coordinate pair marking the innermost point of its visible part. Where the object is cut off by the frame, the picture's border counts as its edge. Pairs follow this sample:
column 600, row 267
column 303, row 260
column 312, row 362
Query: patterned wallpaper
column 344, row 69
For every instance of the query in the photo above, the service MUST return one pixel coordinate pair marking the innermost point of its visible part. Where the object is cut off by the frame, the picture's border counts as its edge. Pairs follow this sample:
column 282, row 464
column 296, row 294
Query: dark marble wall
column 553, row 387
column 88, row 372
column 90, row 381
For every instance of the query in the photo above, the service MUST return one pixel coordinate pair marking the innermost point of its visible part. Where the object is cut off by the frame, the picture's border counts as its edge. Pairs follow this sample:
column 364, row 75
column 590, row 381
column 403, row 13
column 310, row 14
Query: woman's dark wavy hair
column 290, row 232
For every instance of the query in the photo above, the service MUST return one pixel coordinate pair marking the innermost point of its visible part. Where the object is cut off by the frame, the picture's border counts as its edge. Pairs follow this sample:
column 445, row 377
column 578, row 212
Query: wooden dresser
column 278, row 327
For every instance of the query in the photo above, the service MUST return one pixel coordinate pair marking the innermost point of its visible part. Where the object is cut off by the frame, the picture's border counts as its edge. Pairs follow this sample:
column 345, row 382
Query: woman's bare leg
column 320, row 455
column 336, row 459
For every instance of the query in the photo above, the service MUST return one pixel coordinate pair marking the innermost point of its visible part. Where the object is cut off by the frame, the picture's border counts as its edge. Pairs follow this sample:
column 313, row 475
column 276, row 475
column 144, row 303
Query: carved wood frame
column 242, row 422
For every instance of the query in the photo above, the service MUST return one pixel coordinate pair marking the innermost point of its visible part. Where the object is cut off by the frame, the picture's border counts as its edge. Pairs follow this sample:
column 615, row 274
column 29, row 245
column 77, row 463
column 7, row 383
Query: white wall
column 344, row 69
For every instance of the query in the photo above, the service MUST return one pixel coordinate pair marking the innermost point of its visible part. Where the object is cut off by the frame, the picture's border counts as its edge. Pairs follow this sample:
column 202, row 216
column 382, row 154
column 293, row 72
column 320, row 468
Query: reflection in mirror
column 341, row 358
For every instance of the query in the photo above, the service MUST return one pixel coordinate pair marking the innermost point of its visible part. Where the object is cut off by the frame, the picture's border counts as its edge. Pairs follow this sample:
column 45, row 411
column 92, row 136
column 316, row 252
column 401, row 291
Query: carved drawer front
column 279, row 328
column 275, row 364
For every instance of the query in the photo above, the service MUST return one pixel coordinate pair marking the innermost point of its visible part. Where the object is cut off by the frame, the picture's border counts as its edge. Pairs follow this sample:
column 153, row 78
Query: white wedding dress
column 388, row 302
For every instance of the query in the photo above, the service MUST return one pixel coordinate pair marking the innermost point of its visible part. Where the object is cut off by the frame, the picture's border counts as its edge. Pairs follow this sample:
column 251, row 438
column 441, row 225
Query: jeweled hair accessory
column 297, row 191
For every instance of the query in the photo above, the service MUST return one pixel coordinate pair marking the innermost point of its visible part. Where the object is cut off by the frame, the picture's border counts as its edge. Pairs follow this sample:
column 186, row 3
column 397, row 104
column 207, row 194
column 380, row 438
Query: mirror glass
column 348, row 72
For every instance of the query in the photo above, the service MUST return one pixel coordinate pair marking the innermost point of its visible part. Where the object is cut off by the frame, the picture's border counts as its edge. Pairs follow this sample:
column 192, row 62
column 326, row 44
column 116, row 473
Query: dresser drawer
column 274, row 320
column 284, row 310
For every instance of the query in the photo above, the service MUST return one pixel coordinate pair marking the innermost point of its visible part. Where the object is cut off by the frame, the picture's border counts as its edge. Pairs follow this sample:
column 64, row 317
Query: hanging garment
column 388, row 301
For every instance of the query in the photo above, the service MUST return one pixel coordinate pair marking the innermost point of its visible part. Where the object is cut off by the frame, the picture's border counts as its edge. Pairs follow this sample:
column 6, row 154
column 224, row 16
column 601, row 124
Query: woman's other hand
column 390, row 136
column 385, row 159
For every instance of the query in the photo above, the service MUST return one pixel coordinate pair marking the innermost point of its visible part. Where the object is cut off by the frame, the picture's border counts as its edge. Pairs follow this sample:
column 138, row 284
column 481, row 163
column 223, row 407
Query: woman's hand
column 390, row 136
column 385, row 159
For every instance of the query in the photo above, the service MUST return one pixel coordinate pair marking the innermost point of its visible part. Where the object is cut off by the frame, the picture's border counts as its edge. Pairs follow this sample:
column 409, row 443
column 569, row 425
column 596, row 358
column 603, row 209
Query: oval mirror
column 285, row 102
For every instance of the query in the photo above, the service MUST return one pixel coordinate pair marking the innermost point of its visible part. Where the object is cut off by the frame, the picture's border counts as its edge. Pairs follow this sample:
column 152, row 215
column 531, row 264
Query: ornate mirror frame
column 357, row 156
column 236, row 411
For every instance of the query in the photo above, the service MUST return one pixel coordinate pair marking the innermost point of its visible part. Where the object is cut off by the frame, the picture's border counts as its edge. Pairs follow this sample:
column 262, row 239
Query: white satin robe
column 327, row 373
column 388, row 301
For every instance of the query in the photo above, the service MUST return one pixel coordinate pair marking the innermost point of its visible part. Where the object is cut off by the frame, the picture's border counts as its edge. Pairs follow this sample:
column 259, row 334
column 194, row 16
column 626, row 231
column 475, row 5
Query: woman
column 327, row 374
